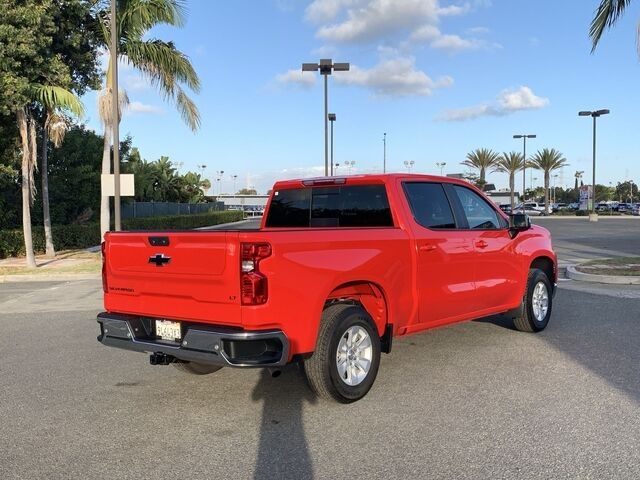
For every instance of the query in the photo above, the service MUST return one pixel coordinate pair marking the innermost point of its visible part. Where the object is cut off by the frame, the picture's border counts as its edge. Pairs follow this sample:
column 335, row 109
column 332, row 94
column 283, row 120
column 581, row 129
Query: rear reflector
column 105, row 287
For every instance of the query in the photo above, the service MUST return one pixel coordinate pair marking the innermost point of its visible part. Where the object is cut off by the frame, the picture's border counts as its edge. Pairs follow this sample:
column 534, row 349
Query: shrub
column 66, row 237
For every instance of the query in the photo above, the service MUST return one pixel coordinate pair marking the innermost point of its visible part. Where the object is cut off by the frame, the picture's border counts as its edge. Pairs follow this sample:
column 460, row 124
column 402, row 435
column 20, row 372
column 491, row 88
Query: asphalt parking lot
column 475, row 400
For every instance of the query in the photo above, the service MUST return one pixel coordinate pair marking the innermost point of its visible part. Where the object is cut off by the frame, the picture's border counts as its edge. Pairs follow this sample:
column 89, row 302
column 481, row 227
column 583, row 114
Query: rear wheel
column 196, row 368
column 345, row 363
column 537, row 303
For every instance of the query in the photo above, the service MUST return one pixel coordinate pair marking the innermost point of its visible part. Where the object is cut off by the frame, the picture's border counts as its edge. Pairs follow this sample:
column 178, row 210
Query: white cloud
column 431, row 35
column 373, row 20
column 297, row 77
column 507, row 102
column 135, row 108
column 478, row 30
column 394, row 77
column 135, row 83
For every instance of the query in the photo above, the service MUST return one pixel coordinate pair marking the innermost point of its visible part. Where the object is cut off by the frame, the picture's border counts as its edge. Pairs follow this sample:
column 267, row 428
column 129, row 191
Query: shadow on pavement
column 602, row 335
column 283, row 451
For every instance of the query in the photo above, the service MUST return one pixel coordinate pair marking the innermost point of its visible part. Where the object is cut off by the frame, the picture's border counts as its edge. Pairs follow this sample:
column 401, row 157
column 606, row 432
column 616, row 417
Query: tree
column 247, row 191
column 626, row 191
column 511, row 163
column 160, row 62
column 606, row 16
column 547, row 160
column 75, row 41
column 482, row 159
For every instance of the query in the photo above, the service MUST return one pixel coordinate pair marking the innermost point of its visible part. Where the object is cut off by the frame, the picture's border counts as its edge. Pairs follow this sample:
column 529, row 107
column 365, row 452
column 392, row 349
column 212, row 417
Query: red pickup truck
column 337, row 269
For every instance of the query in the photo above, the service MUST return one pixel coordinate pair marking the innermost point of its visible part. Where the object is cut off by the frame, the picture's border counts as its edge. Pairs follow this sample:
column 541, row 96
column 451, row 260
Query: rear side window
column 343, row 206
column 429, row 205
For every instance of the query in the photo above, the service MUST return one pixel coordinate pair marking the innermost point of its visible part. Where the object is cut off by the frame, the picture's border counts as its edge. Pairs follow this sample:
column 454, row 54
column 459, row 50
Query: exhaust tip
column 275, row 372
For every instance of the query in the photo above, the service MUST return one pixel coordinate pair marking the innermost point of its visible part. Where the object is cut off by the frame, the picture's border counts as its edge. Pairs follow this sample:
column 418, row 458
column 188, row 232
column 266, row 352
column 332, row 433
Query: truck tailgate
column 179, row 275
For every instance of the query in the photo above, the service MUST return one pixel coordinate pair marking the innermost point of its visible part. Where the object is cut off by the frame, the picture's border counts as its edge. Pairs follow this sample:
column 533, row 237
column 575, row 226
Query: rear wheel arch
column 367, row 294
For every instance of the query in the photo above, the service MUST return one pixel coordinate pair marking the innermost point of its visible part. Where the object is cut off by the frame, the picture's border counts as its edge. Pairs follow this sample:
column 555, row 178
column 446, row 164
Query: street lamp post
column 326, row 67
column 235, row 177
column 219, row 173
column 524, row 166
column 332, row 118
column 409, row 164
column 594, row 115
column 384, row 153
column 115, row 115
column 441, row 165
column 350, row 164
column 335, row 169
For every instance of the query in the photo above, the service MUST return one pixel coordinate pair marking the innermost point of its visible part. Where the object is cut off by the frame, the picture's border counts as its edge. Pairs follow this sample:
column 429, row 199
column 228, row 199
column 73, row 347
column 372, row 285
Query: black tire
column 321, row 369
column 527, row 321
column 196, row 368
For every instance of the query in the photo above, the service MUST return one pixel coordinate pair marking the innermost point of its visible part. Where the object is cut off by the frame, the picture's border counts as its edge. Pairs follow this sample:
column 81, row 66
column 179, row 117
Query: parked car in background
column 505, row 207
column 532, row 212
column 573, row 206
column 624, row 208
column 535, row 206
column 557, row 207
column 636, row 209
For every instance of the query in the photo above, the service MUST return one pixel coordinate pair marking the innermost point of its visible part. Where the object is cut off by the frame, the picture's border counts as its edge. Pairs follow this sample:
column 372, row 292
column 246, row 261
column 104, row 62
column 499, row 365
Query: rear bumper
column 200, row 343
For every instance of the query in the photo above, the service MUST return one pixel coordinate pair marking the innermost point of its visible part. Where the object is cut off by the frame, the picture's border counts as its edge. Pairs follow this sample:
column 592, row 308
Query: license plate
column 168, row 330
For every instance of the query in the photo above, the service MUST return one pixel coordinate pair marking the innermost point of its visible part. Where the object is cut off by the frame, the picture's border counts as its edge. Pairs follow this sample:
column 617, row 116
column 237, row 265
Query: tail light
column 253, row 284
column 105, row 287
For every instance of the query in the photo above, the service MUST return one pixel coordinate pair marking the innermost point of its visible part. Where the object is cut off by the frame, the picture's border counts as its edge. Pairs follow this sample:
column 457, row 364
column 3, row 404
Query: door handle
column 427, row 248
column 481, row 244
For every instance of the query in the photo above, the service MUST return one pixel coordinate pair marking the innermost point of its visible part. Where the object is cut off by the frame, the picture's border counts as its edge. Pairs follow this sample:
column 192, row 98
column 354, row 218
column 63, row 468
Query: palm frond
column 139, row 16
column 57, row 97
column 163, row 64
column 57, row 125
column 105, row 106
column 606, row 16
column 188, row 110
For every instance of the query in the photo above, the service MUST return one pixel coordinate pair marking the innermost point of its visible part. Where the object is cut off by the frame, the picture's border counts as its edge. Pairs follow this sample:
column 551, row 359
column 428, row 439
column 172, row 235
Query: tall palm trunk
column 49, row 249
column 105, row 213
column 26, row 187
column 512, row 188
column 546, row 192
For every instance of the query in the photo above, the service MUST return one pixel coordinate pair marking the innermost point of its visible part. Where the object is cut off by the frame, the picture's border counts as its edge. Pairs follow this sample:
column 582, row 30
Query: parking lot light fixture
column 326, row 67
column 332, row 118
column 441, row 166
column 593, row 114
column 524, row 137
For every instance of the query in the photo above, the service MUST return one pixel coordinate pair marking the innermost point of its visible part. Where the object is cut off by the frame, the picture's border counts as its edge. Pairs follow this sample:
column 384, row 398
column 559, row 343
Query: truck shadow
column 601, row 333
column 283, row 451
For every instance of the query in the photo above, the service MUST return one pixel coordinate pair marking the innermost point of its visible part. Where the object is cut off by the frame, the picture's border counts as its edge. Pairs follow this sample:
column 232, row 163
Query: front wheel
column 537, row 303
column 345, row 363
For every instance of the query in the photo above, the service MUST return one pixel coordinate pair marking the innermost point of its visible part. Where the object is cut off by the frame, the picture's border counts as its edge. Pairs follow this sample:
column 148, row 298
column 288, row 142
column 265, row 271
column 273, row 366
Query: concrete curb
column 49, row 278
column 573, row 274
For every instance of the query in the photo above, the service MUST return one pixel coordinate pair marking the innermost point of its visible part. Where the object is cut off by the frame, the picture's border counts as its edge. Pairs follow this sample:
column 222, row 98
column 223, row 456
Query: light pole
column 441, row 165
column 332, row 118
column 631, row 184
column 234, row 177
column 384, row 153
column 350, row 164
column 554, row 188
column 219, row 173
column 594, row 115
column 335, row 170
column 326, row 67
column 115, row 115
column 524, row 137
column 409, row 164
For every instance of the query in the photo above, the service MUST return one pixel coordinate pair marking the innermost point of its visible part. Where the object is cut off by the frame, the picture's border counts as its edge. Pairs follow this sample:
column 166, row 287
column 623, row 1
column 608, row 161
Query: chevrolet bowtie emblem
column 159, row 259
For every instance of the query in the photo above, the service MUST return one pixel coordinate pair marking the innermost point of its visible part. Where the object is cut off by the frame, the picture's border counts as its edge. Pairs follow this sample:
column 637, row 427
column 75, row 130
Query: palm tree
column 51, row 98
column 482, row 159
column 56, row 124
column 511, row 163
column 547, row 160
column 160, row 62
column 606, row 16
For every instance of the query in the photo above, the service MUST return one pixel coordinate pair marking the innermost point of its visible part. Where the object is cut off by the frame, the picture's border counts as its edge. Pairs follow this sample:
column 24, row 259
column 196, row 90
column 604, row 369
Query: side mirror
column 518, row 222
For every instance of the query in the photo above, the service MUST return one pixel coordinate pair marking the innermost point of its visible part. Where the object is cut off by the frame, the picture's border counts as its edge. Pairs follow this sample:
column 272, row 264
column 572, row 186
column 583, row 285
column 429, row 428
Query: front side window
column 429, row 205
column 480, row 215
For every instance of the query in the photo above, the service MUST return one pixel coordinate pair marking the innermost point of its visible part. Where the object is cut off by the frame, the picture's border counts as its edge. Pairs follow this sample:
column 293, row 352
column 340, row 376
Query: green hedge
column 66, row 237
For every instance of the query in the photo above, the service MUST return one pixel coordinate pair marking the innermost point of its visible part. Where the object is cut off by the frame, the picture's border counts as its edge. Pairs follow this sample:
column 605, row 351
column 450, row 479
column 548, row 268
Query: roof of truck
column 362, row 179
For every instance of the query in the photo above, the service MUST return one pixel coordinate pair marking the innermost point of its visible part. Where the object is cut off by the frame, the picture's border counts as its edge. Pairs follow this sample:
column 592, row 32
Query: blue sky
column 440, row 77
